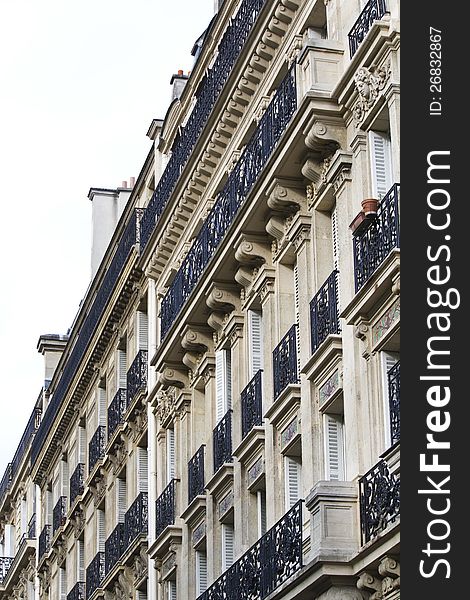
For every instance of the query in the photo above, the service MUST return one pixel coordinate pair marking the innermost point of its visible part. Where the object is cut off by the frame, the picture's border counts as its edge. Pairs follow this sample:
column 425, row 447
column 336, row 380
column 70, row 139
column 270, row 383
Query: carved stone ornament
column 78, row 522
column 384, row 583
column 98, row 488
column 173, row 375
column 61, row 549
column 341, row 593
column 140, row 565
column 369, row 83
column 166, row 404
column 139, row 421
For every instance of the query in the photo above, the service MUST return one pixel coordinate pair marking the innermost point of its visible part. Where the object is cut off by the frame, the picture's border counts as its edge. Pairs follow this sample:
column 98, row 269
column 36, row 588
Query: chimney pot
column 180, row 71
column 132, row 182
column 124, row 184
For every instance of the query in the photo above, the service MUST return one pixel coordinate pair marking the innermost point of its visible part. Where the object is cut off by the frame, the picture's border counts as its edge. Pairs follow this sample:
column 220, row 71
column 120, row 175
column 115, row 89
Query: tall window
column 334, row 447
column 100, row 530
column 292, row 475
column 381, row 163
column 255, row 334
column 223, row 381
column 142, row 470
column 227, row 546
column 261, row 512
column 142, row 330
column 170, row 454
column 201, row 572
column 80, row 560
column 121, row 499
column 122, row 365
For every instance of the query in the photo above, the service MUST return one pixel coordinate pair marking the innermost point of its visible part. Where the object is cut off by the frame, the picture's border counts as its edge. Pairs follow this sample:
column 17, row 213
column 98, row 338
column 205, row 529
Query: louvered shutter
column 49, row 506
column 170, row 454
column 55, row 489
column 100, row 530
column 292, row 480
column 381, row 163
column 388, row 360
column 101, row 401
column 171, row 590
column 297, row 313
column 62, row 584
column 227, row 546
column 142, row 470
column 261, row 502
column 121, row 499
column 9, row 542
column 334, row 447
column 80, row 560
column 24, row 516
column 122, row 369
column 81, row 444
column 228, row 379
column 201, row 572
column 255, row 341
column 64, row 477
column 141, row 595
column 334, row 236
column 142, row 330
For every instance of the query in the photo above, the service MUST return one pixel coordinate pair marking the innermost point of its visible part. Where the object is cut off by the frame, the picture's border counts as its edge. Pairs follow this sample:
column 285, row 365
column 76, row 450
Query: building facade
column 222, row 420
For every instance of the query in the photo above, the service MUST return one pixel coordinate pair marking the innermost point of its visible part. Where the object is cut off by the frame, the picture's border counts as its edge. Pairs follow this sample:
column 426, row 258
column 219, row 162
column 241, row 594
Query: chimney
column 178, row 81
column 51, row 346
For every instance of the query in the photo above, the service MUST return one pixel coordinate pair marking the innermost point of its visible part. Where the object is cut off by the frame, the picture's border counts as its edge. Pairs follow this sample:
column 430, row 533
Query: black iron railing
column 30, row 430
column 324, row 313
column 58, row 514
column 239, row 184
column 136, row 519
column 76, row 482
column 77, row 592
column 116, row 411
column 394, row 402
column 115, row 546
column 6, row 482
column 380, row 500
column 95, row 574
column 137, row 376
column 196, row 475
column 209, row 91
column 252, row 404
column 270, row 562
column 285, row 367
column 96, row 447
column 373, row 246
column 373, row 11
column 5, row 564
column 44, row 541
column 32, row 527
column 165, row 508
column 126, row 242
column 222, row 441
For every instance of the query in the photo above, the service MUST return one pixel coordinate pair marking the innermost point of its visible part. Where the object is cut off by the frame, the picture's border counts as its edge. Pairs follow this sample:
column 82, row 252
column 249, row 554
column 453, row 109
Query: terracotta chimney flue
column 132, row 182
column 124, row 184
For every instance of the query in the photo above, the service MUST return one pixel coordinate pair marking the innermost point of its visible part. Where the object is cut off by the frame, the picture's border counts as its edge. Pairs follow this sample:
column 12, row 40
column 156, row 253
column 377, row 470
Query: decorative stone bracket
column 387, row 585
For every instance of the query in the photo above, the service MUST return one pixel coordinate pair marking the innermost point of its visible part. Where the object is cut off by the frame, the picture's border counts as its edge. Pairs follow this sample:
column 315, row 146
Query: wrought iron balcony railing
column 77, row 592
column 116, row 411
column 115, row 547
column 6, row 482
column 209, row 91
column 76, row 482
column 137, row 376
column 373, row 11
column 252, row 404
column 285, row 367
column 324, row 314
column 379, row 492
column 58, row 514
column 394, row 402
column 222, row 441
column 128, row 240
column 196, row 475
column 44, row 541
column 238, row 186
column 136, row 519
column 30, row 430
column 270, row 562
column 5, row 564
column 96, row 447
column 95, row 574
column 32, row 527
column 165, row 508
column 373, row 246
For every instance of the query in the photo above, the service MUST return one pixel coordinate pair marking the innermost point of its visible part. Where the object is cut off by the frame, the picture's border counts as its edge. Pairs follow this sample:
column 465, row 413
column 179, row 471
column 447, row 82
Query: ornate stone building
column 222, row 420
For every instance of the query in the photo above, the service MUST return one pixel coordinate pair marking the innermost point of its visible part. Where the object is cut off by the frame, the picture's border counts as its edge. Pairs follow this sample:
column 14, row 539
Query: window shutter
column 201, row 572
column 261, row 501
column 121, row 499
column 49, row 506
column 142, row 330
column 334, row 236
column 141, row 595
column 81, row 444
column 9, row 540
column 171, row 590
column 142, row 470
column 64, row 476
column 101, row 402
column 24, row 516
column 170, row 454
column 297, row 313
column 122, row 368
column 227, row 546
column 100, row 530
column 228, row 379
column 62, row 584
column 334, row 447
column 219, row 384
column 255, row 341
column 55, row 490
column 292, row 479
column 388, row 359
column 80, row 560
column 381, row 162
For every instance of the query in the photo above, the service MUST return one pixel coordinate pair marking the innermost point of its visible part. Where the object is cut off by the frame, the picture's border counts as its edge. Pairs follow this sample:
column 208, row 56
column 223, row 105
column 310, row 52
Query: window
column 171, row 590
column 201, row 572
column 334, row 452
column 227, row 546
column 387, row 360
column 121, row 499
column 334, row 237
column 255, row 334
column 122, row 368
column 142, row 470
column 81, row 444
column 261, row 510
column 142, row 330
column 223, row 382
column 292, row 471
column 170, row 454
column 62, row 584
column 101, row 404
column 381, row 163
column 80, row 557
column 100, row 530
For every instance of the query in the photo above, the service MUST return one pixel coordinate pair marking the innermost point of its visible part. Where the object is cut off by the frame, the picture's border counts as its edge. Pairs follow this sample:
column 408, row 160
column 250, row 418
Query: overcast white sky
column 80, row 82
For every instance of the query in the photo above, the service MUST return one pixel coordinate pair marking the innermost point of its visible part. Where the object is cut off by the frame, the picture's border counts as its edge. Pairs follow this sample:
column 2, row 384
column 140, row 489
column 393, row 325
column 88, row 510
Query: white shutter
column 121, row 499
column 62, row 584
column 142, row 470
column 387, row 361
column 255, row 334
column 142, row 330
column 101, row 402
column 292, row 480
column 55, row 490
column 100, row 530
column 49, row 506
column 81, row 444
column 24, row 516
column 141, row 595
column 223, row 382
column 9, row 540
column 261, row 506
column 201, row 572
column 64, row 468
column 80, row 560
column 227, row 546
column 171, row 590
column 170, row 454
column 334, row 236
column 122, row 369
column 381, row 163
column 297, row 313
column 228, row 380
column 334, row 447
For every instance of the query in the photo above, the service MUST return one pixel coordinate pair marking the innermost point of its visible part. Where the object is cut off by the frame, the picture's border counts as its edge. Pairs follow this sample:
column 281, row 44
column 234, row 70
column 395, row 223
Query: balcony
column 196, row 475
column 114, row 547
column 324, row 314
column 30, row 430
column 5, row 564
column 76, row 482
column 165, row 508
column 44, row 541
column 379, row 492
column 373, row 11
column 209, row 91
column 116, row 411
column 285, row 363
column 58, row 514
column 372, row 246
column 77, row 592
column 95, row 574
column 137, row 376
column 237, row 188
column 96, row 447
column 269, row 563
column 222, row 441
column 393, row 377
column 252, row 404
column 136, row 519
column 5, row 483
column 129, row 238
